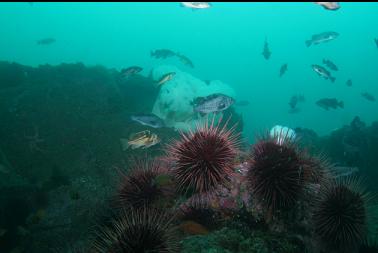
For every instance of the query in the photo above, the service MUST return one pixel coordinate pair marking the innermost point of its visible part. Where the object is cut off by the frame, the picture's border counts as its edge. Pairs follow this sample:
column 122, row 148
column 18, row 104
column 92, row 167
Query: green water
column 225, row 42
column 66, row 127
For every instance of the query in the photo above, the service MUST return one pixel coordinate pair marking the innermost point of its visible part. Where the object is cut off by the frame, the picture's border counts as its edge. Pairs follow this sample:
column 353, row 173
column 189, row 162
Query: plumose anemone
column 139, row 230
column 147, row 183
column 278, row 172
column 203, row 159
column 342, row 214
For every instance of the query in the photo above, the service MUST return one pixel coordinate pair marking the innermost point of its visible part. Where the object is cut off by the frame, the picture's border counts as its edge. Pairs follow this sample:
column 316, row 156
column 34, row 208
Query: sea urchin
column 147, row 183
column 137, row 231
column 276, row 174
column 203, row 159
column 342, row 213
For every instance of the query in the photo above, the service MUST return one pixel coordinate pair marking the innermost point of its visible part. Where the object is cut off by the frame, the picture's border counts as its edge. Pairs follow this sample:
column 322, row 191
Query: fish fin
column 308, row 43
column 124, row 144
column 333, row 79
column 341, row 104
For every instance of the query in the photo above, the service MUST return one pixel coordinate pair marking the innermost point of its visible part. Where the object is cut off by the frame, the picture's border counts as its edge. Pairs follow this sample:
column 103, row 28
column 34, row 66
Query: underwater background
column 67, row 99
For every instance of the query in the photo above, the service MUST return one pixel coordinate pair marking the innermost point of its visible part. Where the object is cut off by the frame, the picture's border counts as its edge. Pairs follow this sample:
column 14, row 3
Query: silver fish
column 196, row 5
column 332, row 6
column 149, row 119
column 213, row 103
column 321, row 71
column 321, row 38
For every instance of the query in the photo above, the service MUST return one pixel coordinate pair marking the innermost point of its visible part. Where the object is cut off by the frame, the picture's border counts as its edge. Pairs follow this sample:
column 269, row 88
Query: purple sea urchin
column 203, row 160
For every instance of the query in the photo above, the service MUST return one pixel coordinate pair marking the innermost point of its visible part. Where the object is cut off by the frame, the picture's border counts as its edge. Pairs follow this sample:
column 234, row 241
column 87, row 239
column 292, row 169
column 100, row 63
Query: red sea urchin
column 342, row 214
column 139, row 230
column 147, row 183
column 276, row 177
column 203, row 160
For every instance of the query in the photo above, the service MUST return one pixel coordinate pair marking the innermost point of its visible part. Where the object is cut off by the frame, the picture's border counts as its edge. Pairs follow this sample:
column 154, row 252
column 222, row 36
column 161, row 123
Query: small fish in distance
column 196, row 5
column 266, row 52
column 131, row 71
column 330, row 65
column 321, row 71
column 368, row 96
column 349, row 83
column 162, row 53
column 283, row 69
column 321, row 38
column 332, row 6
column 327, row 103
column 45, row 42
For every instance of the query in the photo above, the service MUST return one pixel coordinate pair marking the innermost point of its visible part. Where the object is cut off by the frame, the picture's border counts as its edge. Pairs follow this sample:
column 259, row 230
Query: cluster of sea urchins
column 203, row 160
column 278, row 172
column 342, row 213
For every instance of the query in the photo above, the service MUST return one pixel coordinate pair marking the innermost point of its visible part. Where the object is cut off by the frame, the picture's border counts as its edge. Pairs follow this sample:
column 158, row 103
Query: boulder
column 175, row 98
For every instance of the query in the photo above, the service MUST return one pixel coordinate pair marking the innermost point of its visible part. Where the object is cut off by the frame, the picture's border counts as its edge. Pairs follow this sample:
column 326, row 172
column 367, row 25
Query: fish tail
column 308, row 43
column 333, row 79
column 341, row 104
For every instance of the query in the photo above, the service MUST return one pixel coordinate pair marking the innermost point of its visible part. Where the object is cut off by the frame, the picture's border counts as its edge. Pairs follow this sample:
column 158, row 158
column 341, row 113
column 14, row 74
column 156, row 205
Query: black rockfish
column 321, row 37
column 330, row 65
column 131, row 71
column 266, row 53
column 327, row 103
column 162, row 53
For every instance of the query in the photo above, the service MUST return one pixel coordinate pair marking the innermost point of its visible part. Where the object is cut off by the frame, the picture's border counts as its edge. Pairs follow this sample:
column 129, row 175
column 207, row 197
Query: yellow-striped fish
column 144, row 139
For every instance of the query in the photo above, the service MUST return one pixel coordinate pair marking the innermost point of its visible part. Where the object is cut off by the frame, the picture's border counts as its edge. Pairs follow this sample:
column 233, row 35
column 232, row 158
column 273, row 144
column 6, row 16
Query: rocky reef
column 66, row 185
column 60, row 152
